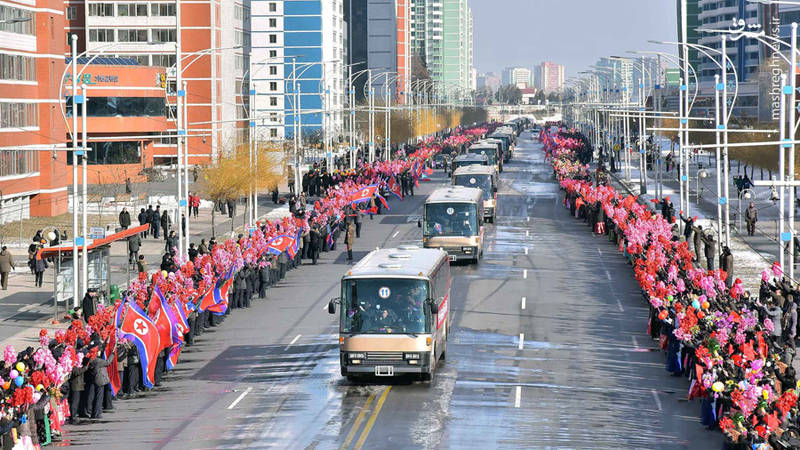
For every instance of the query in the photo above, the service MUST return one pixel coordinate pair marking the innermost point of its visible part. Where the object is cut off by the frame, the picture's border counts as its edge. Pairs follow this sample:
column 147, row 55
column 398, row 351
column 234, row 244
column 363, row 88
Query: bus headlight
column 467, row 250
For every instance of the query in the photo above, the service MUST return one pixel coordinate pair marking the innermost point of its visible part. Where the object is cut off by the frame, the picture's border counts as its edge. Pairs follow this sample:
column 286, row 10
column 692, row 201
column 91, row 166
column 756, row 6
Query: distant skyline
column 575, row 33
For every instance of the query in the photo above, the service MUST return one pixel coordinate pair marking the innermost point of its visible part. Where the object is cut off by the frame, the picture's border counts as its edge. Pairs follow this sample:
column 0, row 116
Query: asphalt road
column 548, row 349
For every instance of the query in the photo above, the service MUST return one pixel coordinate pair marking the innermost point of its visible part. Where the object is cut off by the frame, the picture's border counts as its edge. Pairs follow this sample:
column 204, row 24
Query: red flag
column 113, row 369
column 137, row 327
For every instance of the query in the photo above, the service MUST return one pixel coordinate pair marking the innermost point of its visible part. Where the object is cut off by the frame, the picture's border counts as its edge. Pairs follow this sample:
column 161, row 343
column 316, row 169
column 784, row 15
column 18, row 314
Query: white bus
column 395, row 313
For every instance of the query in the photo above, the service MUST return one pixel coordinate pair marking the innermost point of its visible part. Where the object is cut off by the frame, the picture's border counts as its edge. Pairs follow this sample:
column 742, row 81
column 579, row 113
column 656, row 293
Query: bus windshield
column 482, row 182
column 385, row 305
column 450, row 219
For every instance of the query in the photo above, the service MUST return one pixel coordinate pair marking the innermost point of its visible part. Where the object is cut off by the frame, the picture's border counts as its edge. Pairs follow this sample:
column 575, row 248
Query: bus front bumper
column 385, row 368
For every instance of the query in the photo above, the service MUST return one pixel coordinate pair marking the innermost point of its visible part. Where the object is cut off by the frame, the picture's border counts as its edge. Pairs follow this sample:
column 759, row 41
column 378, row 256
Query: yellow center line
column 372, row 418
column 358, row 421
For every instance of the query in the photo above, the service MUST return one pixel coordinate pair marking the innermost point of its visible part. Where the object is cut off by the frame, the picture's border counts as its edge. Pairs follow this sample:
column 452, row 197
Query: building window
column 101, row 9
column 238, row 37
column 132, row 10
column 10, row 20
column 141, row 59
column 101, row 35
column 273, row 23
column 239, row 62
column 72, row 12
column 17, row 115
column 131, row 35
column 121, row 107
column 18, row 162
column 17, row 67
column 273, row 38
column 164, row 34
column 124, row 152
column 162, row 9
column 273, row 70
column 273, row 132
column 273, row 101
column 164, row 60
column 273, row 7
column 273, row 86
column 273, row 53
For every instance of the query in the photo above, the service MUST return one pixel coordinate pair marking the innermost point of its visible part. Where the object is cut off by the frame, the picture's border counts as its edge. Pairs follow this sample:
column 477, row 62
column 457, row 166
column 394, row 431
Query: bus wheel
column 444, row 347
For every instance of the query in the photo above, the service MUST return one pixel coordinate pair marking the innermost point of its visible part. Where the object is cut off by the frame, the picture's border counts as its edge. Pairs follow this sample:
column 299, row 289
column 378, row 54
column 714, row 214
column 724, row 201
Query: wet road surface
column 548, row 349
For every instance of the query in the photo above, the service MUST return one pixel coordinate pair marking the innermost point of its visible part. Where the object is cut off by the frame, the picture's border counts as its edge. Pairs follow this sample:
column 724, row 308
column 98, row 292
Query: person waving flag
column 137, row 327
column 363, row 195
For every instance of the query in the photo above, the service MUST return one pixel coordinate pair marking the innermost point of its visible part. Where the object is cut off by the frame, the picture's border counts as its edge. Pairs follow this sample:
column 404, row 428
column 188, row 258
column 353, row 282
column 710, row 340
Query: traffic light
column 162, row 80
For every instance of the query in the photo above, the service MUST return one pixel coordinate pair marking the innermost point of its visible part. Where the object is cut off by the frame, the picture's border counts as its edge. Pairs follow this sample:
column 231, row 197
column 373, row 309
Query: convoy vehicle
column 453, row 221
column 469, row 159
column 395, row 313
column 490, row 150
column 484, row 178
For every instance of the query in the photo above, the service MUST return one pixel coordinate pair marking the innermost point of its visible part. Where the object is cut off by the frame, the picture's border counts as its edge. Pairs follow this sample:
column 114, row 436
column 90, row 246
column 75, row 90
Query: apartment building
column 31, row 64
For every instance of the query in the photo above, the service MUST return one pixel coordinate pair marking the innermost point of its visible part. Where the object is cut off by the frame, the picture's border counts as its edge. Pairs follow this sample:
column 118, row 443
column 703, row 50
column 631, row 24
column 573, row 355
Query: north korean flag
column 363, row 195
column 394, row 188
column 137, row 327
column 206, row 300
column 280, row 244
column 163, row 321
column 180, row 327
column 221, row 289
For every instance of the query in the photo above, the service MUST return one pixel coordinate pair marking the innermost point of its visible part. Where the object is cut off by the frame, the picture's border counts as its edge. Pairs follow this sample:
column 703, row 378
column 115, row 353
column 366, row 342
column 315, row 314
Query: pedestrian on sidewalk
column 155, row 220
column 348, row 240
column 231, row 208
column 39, row 266
column 192, row 251
column 165, row 223
column 196, row 205
column 751, row 217
column 6, row 266
column 89, row 304
column 203, row 248
column 124, row 219
column 134, row 243
column 142, row 217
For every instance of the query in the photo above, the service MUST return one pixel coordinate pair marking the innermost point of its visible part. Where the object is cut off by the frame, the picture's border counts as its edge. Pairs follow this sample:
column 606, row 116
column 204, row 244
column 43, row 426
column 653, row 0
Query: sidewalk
column 751, row 254
column 25, row 309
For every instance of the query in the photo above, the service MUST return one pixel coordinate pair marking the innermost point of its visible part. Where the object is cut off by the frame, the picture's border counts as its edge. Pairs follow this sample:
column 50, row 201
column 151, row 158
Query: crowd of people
column 735, row 348
column 119, row 350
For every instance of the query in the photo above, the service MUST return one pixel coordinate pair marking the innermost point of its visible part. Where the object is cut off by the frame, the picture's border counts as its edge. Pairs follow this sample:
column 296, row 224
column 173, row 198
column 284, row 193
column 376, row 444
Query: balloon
column 663, row 315
column 21, row 366
column 164, row 273
column 695, row 304
column 701, row 315
column 706, row 305
column 718, row 386
column 14, row 373
column 6, row 385
column 19, row 381
column 765, row 394
column 39, row 387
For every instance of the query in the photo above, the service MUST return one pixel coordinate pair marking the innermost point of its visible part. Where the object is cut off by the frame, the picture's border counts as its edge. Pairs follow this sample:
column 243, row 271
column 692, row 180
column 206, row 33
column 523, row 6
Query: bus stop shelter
column 99, row 268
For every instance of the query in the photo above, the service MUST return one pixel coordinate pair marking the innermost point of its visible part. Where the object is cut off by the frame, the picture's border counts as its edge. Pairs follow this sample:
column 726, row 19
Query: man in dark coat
column 124, row 219
column 315, row 243
column 142, row 217
column 134, row 243
column 155, row 221
column 263, row 278
column 751, row 216
column 231, row 208
column 240, row 284
column 726, row 264
column 709, row 243
column 89, row 304
column 165, row 223
column 97, row 368
column 76, row 387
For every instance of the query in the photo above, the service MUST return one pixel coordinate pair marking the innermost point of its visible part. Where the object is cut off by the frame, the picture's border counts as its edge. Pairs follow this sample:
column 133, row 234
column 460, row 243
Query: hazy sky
column 570, row 32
